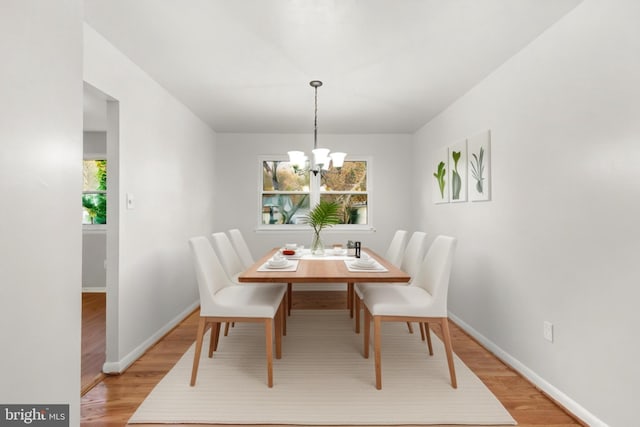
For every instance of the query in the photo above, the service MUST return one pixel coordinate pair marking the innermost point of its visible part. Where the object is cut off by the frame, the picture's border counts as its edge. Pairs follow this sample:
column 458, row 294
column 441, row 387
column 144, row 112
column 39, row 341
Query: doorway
column 100, row 233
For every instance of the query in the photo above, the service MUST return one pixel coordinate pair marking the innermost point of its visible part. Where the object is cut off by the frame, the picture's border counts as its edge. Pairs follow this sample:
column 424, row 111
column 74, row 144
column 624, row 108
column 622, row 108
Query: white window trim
column 314, row 197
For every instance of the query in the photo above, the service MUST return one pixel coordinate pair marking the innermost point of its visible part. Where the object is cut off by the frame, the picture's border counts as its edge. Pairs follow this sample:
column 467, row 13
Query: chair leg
column 226, row 328
column 278, row 331
column 448, row 348
column 350, row 297
column 196, row 356
column 425, row 328
column 289, row 297
column 377, row 323
column 409, row 327
column 268, row 332
column 357, row 303
column 367, row 331
column 421, row 330
column 283, row 307
column 215, row 338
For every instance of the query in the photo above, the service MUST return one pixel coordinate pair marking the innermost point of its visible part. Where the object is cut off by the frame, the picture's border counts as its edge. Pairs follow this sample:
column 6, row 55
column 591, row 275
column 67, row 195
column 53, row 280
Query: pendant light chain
column 315, row 84
column 315, row 121
column 321, row 157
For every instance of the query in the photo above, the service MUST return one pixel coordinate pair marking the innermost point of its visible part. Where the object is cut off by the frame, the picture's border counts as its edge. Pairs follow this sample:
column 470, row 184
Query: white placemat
column 292, row 266
column 328, row 256
column 376, row 268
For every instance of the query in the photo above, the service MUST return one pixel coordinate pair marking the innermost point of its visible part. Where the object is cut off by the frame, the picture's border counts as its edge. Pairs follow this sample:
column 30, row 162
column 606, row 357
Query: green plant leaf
column 440, row 177
column 477, row 169
column 324, row 214
column 456, row 156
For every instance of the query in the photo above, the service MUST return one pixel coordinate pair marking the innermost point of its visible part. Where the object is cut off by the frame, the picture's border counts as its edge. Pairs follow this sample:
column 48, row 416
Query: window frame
column 314, row 198
column 96, row 227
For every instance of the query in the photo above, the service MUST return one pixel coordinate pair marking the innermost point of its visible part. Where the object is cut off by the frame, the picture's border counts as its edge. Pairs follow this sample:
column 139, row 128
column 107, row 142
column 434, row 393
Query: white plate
column 372, row 266
column 284, row 265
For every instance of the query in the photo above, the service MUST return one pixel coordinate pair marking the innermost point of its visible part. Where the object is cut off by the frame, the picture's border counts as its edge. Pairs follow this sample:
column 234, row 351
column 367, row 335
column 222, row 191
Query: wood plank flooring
column 93, row 338
column 112, row 401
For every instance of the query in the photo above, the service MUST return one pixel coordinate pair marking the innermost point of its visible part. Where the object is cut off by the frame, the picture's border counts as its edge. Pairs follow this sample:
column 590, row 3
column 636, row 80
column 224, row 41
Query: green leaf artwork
column 477, row 170
column 440, row 177
column 456, row 181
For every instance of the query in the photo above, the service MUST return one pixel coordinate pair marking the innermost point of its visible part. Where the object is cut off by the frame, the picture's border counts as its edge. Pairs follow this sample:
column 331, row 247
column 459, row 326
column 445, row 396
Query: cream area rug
column 322, row 379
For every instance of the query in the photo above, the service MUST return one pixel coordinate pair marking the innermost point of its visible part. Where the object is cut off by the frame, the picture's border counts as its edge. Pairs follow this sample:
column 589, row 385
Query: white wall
column 238, row 173
column 95, row 142
column 560, row 240
column 40, row 187
column 94, row 255
column 165, row 161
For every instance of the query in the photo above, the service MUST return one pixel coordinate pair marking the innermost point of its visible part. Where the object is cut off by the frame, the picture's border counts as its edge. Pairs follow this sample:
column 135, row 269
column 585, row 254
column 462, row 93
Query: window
column 94, row 192
column 348, row 187
column 287, row 194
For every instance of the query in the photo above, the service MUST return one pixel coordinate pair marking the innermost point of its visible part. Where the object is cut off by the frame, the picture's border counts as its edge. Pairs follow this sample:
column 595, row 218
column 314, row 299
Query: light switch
column 548, row 331
column 130, row 201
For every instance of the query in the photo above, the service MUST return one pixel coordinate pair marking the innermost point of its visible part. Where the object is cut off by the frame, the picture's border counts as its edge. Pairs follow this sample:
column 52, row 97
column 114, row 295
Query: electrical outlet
column 548, row 331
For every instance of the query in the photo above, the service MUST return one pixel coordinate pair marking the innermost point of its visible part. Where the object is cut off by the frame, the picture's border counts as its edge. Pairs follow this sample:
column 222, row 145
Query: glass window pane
column 94, row 208
column 284, row 208
column 354, row 207
column 281, row 176
column 352, row 176
column 94, row 175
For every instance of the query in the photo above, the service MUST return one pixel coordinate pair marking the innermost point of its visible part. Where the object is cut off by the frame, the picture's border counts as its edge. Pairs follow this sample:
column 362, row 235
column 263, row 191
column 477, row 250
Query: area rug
column 322, row 379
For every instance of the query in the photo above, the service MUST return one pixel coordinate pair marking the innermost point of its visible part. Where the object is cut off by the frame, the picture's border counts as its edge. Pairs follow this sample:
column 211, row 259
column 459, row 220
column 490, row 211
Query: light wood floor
column 93, row 339
column 112, row 401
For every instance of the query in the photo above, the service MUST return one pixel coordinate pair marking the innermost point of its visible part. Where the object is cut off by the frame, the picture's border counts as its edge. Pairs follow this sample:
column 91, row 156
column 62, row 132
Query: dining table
column 331, row 267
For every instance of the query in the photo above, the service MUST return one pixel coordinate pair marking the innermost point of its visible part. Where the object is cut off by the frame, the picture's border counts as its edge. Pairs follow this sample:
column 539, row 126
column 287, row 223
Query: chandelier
column 322, row 157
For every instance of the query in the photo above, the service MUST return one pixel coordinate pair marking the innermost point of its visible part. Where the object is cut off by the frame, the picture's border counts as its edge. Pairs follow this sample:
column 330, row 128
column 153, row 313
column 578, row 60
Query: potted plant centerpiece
column 324, row 214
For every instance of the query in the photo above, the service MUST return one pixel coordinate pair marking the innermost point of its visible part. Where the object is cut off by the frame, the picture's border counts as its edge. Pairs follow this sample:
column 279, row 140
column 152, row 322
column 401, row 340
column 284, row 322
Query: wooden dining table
column 323, row 269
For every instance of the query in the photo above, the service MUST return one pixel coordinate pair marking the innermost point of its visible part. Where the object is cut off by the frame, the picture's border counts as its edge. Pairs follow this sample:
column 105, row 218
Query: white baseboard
column 94, row 289
column 121, row 365
column 564, row 400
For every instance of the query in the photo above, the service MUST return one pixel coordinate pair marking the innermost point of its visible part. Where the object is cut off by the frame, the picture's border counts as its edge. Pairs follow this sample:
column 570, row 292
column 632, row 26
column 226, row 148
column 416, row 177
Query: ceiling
column 388, row 66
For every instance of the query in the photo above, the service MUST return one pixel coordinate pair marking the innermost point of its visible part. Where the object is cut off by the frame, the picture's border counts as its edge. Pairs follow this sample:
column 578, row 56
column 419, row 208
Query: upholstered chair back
column 414, row 253
column 209, row 272
column 395, row 251
column 435, row 271
column 241, row 247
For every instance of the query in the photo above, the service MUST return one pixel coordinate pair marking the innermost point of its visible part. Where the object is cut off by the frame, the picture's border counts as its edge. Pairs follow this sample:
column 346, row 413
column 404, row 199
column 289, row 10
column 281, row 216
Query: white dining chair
column 228, row 256
column 241, row 247
column 222, row 301
column 394, row 255
column 230, row 261
column 424, row 301
column 244, row 254
column 411, row 260
column 396, row 248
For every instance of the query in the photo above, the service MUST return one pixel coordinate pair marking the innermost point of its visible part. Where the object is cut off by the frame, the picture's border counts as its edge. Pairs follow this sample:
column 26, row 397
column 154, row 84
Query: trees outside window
column 287, row 193
column 94, row 192
column 347, row 186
